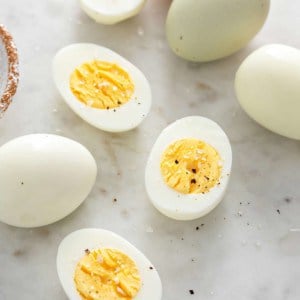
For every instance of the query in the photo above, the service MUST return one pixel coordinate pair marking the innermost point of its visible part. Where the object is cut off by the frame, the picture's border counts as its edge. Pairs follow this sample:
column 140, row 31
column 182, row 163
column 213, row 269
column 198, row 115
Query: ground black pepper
column 287, row 200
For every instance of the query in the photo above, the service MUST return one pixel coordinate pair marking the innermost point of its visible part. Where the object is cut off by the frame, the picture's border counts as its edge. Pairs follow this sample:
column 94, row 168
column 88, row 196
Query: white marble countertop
column 246, row 249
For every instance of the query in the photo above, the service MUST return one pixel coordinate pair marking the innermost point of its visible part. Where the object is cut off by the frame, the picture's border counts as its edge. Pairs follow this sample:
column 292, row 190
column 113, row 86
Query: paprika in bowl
column 9, row 74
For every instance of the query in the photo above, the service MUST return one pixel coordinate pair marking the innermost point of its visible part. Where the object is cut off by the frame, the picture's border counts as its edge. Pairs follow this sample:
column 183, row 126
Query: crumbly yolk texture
column 107, row 274
column 191, row 166
column 101, row 84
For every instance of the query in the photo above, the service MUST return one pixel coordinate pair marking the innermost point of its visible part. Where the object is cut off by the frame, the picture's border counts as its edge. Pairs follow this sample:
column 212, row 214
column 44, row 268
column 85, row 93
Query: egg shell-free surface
column 267, row 86
column 205, row 30
column 71, row 250
column 187, row 206
column 110, row 12
column 43, row 178
column 124, row 118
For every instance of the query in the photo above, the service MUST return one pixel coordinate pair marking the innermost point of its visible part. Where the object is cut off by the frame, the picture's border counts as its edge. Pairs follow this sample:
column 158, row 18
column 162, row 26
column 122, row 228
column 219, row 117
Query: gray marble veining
column 248, row 247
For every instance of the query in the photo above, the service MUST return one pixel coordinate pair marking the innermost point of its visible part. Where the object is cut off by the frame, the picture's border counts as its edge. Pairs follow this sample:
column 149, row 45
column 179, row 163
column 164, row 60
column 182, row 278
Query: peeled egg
column 102, row 265
column 267, row 87
column 205, row 30
column 43, row 178
column 111, row 11
column 102, row 87
column 188, row 168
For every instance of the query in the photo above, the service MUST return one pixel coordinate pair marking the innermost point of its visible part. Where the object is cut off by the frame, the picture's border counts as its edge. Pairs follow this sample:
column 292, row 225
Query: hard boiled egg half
column 188, row 168
column 102, row 87
column 111, row 11
column 97, row 264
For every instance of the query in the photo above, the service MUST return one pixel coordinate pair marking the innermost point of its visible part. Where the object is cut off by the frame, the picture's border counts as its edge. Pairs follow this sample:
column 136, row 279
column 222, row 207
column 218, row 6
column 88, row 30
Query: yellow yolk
column 101, row 84
column 107, row 274
column 191, row 166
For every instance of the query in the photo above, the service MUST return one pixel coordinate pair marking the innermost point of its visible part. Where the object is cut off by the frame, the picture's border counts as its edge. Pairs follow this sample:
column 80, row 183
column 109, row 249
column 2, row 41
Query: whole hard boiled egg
column 188, row 168
column 97, row 264
column 205, row 30
column 43, row 178
column 102, row 87
column 268, row 88
column 111, row 11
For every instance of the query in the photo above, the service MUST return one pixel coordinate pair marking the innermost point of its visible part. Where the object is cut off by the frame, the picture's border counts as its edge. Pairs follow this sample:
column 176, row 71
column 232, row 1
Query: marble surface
column 248, row 247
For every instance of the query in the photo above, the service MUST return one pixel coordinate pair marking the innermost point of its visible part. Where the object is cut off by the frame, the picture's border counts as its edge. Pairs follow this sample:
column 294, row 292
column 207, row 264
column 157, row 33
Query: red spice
column 13, row 72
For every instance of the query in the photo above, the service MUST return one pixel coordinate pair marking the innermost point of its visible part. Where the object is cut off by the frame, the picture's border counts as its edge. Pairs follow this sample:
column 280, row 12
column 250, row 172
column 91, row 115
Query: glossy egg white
column 123, row 118
column 71, row 250
column 43, row 178
column 268, row 88
column 205, row 30
column 167, row 200
column 111, row 11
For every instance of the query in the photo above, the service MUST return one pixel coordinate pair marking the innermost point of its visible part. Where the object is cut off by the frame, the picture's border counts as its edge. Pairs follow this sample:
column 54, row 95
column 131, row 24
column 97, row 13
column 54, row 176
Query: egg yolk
column 101, row 84
column 107, row 274
column 191, row 166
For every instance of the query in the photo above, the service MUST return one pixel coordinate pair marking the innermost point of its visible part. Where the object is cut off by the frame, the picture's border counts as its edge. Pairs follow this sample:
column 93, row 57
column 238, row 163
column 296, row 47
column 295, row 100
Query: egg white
column 125, row 117
column 167, row 200
column 71, row 250
column 111, row 12
column 267, row 88
column 203, row 31
column 43, row 178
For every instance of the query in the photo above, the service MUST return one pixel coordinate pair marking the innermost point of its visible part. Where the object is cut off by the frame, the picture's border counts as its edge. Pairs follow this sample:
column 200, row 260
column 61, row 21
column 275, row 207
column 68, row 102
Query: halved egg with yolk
column 96, row 264
column 100, row 86
column 111, row 11
column 188, row 168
